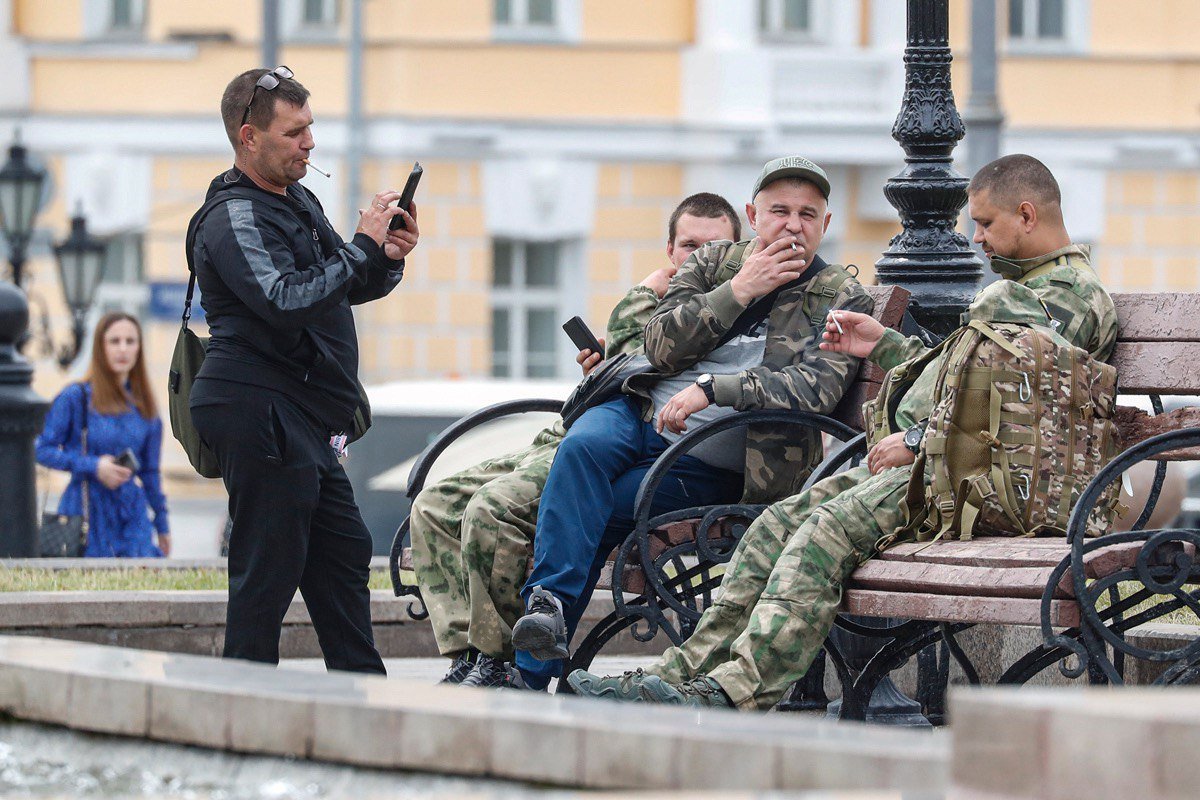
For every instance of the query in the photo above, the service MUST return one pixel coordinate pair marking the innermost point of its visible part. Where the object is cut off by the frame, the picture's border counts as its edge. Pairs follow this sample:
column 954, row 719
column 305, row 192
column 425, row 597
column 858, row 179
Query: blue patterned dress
column 119, row 519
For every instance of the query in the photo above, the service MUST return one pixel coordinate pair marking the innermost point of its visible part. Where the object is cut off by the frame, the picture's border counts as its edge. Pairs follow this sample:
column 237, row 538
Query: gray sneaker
column 625, row 688
column 542, row 632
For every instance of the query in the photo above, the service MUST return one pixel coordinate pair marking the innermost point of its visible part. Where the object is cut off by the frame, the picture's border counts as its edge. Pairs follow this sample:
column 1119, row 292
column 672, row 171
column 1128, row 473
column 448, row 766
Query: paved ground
column 432, row 669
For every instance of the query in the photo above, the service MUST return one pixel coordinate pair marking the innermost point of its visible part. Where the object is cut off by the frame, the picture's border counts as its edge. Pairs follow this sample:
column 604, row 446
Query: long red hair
column 108, row 396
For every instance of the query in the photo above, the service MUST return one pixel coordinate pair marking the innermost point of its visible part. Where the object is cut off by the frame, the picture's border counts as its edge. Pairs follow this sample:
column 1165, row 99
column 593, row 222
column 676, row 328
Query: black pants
column 295, row 525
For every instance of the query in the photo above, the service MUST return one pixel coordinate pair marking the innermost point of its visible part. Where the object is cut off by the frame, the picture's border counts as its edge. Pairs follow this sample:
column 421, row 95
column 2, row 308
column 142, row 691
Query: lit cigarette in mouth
column 838, row 325
column 318, row 169
column 794, row 248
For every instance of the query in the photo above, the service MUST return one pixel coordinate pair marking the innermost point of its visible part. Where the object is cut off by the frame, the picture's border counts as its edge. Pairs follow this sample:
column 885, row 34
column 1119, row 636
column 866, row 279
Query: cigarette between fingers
column 836, row 323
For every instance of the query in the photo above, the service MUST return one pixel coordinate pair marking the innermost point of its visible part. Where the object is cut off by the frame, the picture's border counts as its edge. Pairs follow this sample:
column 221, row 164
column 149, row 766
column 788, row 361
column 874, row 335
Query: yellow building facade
column 557, row 135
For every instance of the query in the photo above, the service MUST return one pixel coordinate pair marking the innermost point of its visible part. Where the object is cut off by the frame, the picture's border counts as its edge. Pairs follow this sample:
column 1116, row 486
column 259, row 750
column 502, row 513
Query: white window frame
column 128, row 292
column 297, row 28
column 98, row 20
column 1076, row 30
column 518, row 298
column 567, row 25
column 772, row 30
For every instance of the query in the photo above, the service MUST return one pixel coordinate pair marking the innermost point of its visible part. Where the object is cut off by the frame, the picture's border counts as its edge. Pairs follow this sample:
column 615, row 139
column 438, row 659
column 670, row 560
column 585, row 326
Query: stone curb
column 100, row 564
column 377, row 722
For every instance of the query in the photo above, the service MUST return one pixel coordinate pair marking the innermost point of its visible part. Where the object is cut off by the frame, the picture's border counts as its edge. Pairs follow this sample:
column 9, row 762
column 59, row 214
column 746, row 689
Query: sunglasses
column 266, row 83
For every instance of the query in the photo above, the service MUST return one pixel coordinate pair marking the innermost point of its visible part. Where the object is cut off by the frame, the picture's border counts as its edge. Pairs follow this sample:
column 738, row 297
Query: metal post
column 356, row 135
column 21, row 415
column 270, row 33
column 982, row 114
column 16, row 255
column 929, row 257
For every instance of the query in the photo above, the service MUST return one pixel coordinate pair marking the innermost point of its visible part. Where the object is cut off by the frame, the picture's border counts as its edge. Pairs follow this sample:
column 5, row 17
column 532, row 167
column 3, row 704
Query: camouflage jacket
column 699, row 308
column 1082, row 311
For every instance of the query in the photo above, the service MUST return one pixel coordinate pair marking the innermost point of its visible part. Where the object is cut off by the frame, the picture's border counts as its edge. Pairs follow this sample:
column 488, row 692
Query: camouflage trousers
column 470, row 541
column 783, row 585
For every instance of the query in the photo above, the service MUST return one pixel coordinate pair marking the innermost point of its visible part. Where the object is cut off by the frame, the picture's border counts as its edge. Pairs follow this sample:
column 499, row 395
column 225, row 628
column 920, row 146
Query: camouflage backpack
column 1021, row 422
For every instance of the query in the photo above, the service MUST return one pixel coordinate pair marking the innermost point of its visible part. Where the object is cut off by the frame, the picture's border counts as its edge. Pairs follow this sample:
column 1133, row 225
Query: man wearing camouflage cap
column 738, row 329
column 782, row 588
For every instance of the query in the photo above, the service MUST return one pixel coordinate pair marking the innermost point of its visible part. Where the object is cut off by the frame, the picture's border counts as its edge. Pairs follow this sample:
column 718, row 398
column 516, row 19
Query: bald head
column 1016, row 179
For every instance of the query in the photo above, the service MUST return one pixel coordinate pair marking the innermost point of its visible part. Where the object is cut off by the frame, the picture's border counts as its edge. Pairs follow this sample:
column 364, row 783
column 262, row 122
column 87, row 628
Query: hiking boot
column 492, row 673
column 460, row 668
column 702, row 692
column 625, row 688
column 543, row 630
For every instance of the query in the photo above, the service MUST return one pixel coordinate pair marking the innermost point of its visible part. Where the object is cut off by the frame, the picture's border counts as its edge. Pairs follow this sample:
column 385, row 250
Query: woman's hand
column 889, row 452
column 164, row 543
column 112, row 474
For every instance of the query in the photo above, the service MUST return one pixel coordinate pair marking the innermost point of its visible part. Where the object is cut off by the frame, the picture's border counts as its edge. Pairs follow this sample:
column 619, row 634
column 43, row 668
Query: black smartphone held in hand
column 406, row 196
column 128, row 460
column 581, row 336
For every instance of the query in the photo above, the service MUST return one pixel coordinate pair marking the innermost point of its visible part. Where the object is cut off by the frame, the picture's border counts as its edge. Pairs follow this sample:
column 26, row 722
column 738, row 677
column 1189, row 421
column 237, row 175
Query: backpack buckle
column 1025, row 391
column 1023, row 489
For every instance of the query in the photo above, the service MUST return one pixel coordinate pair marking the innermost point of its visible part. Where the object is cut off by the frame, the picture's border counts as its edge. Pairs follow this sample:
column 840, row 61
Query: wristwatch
column 705, row 382
column 914, row 435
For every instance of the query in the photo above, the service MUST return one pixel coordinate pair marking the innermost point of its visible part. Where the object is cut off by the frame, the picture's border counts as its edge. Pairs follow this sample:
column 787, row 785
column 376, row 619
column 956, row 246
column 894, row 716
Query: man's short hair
column 1011, row 180
column 262, row 113
column 708, row 206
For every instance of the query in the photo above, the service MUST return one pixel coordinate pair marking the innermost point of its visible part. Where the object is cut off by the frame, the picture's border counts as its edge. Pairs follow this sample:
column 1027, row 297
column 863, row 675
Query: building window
column 123, row 285
column 319, row 13
column 1037, row 20
column 127, row 16
column 786, row 19
column 114, row 19
column 536, row 20
column 527, row 290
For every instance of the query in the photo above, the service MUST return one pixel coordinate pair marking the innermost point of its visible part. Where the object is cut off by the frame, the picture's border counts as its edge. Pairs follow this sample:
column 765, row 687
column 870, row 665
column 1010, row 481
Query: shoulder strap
column 83, row 445
column 827, row 283
column 232, row 193
column 732, row 262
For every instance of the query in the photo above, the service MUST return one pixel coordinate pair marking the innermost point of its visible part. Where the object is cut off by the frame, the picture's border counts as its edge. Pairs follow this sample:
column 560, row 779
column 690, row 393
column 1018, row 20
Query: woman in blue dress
column 121, row 415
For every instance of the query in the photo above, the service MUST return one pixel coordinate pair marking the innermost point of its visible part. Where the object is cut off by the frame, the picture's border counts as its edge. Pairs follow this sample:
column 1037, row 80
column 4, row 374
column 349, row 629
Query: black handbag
column 603, row 384
column 62, row 535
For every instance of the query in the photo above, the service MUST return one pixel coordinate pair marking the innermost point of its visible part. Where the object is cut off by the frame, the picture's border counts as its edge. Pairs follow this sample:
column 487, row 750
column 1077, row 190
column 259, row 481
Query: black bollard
column 929, row 257
column 21, row 415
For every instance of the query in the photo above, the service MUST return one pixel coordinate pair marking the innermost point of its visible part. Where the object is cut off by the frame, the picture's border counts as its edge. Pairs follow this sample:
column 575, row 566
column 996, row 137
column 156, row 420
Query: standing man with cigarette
column 279, row 387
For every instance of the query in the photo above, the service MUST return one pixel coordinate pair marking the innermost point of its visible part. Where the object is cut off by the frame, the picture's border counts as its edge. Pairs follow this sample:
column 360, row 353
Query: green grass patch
column 135, row 579
column 1180, row 616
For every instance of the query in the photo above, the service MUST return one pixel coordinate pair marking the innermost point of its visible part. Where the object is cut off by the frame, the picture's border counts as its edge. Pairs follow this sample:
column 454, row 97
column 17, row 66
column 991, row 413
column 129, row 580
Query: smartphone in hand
column 128, row 460
column 406, row 196
column 581, row 335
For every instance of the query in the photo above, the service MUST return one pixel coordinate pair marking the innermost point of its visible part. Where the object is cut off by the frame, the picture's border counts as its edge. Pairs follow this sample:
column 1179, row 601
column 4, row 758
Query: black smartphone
column 581, row 336
column 128, row 460
column 406, row 196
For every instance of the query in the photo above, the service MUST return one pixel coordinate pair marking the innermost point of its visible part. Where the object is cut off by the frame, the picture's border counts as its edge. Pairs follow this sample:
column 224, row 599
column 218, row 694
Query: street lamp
column 80, row 268
column 20, row 194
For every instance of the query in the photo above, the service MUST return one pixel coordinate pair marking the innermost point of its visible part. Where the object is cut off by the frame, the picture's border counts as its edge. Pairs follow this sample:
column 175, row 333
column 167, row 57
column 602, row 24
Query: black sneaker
column 492, row 673
column 543, row 630
column 460, row 668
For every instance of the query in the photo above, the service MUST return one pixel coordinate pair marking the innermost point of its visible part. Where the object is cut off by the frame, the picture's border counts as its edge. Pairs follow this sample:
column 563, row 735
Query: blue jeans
column 587, row 507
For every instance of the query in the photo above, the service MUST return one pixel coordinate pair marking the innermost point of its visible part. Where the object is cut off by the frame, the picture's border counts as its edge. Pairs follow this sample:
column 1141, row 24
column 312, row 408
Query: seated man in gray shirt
column 738, row 329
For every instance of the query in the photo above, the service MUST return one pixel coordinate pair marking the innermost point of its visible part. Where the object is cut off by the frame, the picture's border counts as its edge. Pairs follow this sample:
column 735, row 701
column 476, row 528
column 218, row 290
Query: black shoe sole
column 539, row 642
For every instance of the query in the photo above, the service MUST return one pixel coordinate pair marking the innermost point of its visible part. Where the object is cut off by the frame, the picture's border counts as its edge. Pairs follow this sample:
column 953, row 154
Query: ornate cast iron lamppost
column 80, row 268
column 929, row 257
column 20, row 194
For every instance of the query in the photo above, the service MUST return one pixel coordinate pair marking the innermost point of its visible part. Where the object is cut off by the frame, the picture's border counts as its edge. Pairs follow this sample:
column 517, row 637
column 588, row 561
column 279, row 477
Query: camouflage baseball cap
column 791, row 166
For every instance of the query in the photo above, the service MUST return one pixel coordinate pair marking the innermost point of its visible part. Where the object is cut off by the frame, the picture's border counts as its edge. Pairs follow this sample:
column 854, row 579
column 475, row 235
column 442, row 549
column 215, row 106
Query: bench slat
column 1157, row 367
column 982, row 552
column 946, row 608
column 1158, row 316
column 1136, row 426
column 950, row 579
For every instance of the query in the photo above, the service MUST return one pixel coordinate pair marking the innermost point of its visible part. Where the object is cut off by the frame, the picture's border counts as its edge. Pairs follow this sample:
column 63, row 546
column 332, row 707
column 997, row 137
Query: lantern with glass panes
column 80, row 268
column 20, row 195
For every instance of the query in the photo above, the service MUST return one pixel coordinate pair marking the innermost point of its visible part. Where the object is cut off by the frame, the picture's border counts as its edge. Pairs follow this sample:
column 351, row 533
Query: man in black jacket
column 279, row 386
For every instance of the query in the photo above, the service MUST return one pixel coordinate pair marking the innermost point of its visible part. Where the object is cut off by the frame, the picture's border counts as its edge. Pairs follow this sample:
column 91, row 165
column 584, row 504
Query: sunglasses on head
column 267, row 82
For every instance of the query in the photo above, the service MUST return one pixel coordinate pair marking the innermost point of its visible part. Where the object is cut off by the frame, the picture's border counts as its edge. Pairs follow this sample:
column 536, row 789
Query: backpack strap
column 822, row 290
column 735, row 256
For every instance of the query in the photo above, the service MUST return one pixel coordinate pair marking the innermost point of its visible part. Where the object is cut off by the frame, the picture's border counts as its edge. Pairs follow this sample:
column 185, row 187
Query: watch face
column 912, row 437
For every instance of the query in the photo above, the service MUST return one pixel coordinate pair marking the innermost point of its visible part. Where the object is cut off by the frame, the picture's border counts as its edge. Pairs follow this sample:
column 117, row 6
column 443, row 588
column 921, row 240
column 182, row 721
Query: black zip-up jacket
column 276, row 283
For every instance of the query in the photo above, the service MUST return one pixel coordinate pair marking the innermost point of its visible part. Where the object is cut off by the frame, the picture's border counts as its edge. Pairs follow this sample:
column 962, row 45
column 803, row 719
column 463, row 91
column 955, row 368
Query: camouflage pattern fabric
column 471, row 532
column 796, row 375
column 782, row 587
